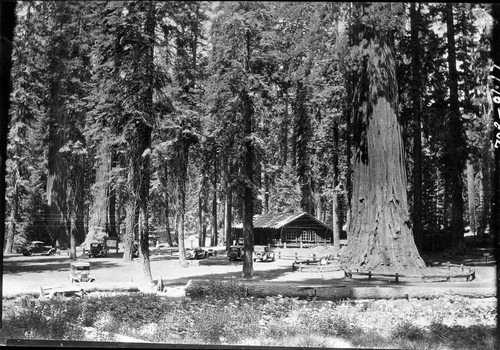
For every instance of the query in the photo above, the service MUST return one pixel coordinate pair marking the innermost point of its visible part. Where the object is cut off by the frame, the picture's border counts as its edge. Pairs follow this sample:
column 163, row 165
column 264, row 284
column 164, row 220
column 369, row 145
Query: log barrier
column 343, row 292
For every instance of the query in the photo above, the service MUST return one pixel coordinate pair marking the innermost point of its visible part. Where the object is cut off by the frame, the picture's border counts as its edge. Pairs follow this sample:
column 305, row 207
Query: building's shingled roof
column 277, row 221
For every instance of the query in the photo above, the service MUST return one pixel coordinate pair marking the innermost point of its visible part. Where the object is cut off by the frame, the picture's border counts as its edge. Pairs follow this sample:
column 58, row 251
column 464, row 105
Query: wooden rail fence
column 468, row 275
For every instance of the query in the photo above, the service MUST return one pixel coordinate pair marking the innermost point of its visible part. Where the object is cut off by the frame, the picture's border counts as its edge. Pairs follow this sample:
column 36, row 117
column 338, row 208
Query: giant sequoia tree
column 379, row 234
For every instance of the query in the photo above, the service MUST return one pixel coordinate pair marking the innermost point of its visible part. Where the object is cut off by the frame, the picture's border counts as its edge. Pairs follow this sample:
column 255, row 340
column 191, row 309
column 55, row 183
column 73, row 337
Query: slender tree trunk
column 336, row 226
column 165, row 186
column 303, row 130
column 455, row 152
column 471, row 194
column 248, row 234
column 143, row 132
column 14, row 208
column 417, row 127
column 73, row 232
column 228, row 215
column 379, row 234
column 183, row 158
column 99, row 211
column 128, row 236
column 486, row 192
column 284, row 132
column 112, row 202
column 266, row 193
column 201, row 219
column 215, row 236
column 11, row 227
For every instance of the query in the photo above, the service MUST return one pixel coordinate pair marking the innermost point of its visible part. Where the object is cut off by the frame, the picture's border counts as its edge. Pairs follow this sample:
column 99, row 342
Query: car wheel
column 30, row 253
column 51, row 252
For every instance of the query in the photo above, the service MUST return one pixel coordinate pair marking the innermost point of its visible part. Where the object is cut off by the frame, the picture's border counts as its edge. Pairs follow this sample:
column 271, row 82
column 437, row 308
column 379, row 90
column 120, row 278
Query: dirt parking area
column 25, row 274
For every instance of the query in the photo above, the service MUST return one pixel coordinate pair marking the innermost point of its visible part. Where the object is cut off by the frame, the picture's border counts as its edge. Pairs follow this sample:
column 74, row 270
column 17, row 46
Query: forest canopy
column 173, row 120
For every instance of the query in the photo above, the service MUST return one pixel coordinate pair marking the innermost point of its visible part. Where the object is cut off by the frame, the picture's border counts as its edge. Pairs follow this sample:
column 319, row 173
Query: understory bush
column 223, row 318
column 218, row 289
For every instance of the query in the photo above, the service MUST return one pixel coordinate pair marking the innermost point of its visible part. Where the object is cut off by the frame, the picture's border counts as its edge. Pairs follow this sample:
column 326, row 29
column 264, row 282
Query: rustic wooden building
column 290, row 228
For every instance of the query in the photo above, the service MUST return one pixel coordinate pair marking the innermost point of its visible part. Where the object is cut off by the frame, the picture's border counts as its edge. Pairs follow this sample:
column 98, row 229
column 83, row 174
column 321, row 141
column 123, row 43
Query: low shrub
column 407, row 330
column 226, row 324
column 33, row 318
column 226, row 317
column 218, row 289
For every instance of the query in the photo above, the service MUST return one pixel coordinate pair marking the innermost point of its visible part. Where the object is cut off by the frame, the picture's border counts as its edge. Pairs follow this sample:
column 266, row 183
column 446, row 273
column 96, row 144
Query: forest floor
column 25, row 275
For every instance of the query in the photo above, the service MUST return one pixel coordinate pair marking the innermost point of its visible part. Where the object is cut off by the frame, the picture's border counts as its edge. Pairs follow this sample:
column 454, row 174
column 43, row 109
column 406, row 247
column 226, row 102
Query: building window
column 308, row 236
column 292, row 237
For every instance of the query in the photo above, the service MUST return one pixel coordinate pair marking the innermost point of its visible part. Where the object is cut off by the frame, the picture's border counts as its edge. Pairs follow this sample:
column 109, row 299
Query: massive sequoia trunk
column 379, row 234
column 417, row 127
column 8, row 18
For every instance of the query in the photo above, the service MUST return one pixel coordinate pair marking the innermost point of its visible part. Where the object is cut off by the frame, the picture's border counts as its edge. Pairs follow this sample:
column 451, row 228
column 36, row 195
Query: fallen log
column 69, row 289
column 340, row 292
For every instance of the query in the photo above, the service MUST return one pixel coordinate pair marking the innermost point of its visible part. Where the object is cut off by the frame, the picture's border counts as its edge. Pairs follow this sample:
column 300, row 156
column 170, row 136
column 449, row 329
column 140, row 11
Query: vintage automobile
column 196, row 253
column 80, row 272
column 38, row 247
column 265, row 255
column 162, row 249
column 97, row 249
column 235, row 252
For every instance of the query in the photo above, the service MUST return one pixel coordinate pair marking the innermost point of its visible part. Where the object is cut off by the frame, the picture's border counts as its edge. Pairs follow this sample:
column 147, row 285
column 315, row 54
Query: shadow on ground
column 40, row 264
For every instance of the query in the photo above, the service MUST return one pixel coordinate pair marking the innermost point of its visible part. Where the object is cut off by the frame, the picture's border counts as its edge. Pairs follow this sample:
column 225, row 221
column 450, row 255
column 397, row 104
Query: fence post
column 279, row 254
column 448, row 263
column 397, row 277
column 296, row 256
column 369, row 275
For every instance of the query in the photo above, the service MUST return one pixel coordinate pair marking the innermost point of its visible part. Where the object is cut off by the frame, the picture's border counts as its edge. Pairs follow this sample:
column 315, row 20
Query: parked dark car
column 97, row 250
column 38, row 247
column 235, row 252
column 196, row 253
